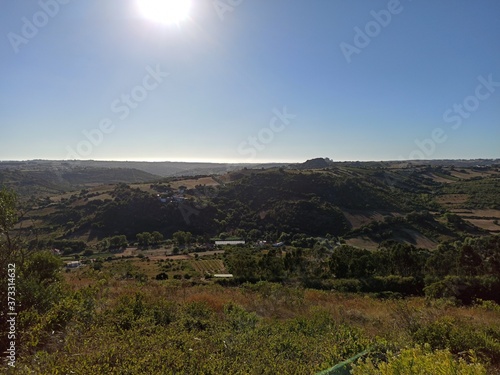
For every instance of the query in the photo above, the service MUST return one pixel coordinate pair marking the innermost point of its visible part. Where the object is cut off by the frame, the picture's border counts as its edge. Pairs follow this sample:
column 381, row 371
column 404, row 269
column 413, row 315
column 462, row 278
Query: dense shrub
column 420, row 361
column 458, row 337
column 465, row 289
column 393, row 283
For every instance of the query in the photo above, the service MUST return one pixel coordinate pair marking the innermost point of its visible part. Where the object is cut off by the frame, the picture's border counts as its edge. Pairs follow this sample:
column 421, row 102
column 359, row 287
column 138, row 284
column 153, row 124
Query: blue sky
column 250, row 80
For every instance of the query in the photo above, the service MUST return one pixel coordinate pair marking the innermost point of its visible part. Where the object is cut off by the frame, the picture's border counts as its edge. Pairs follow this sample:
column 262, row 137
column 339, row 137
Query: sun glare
column 165, row 11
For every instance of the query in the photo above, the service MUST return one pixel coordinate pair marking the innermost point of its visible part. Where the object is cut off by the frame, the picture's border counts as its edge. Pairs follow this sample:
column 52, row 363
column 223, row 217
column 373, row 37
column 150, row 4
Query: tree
column 157, row 237
column 272, row 266
column 179, row 238
column 183, row 238
column 145, row 239
column 118, row 242
column 35, row 275
column 470, row 260
column 254, row 234
column 242, row 264
column 188, row 237
column 8, row 254
column 104, row 244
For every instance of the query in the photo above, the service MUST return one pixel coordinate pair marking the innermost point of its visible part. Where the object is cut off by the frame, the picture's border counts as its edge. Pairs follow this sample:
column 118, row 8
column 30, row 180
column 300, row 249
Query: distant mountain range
column 158, row 169
column 169, row 168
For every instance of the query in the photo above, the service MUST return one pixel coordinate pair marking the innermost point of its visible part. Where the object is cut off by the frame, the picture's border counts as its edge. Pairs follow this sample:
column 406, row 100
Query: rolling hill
column 366, row 204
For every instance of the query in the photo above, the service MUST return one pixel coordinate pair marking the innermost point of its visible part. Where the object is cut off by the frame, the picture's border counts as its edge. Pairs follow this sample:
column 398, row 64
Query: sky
column 250, row 80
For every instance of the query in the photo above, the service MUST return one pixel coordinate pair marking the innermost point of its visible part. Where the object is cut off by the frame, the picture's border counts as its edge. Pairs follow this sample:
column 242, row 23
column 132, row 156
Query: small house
column 73, row 264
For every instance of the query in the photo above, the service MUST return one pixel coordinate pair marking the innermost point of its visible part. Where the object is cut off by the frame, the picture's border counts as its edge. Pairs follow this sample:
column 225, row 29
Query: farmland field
column 208, row 266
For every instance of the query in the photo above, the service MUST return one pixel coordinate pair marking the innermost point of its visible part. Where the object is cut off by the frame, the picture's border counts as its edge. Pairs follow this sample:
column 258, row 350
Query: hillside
column 39, row 182
column 162, row 169
column 365, row 205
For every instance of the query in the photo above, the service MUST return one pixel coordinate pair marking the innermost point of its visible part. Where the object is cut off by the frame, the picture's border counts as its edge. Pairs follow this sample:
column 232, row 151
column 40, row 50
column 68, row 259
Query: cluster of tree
column 113, row 243
column 33, row 276
column 482, row 192
column 274, row 201
column 130, row 211
column 182, row 238
column 424, row 222
column 146, row 239
column 466, row 270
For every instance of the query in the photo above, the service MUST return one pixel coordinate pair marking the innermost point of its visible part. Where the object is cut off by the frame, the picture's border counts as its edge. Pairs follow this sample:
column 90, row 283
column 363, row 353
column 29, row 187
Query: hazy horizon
column 239, row 162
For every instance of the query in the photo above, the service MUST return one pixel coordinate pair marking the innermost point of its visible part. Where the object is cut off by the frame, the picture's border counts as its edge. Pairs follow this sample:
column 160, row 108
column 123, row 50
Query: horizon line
column 212, row 161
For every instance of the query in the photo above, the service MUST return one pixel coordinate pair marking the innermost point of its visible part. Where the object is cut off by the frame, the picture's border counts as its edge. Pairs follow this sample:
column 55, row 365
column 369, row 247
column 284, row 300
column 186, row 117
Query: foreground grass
column 107, row 325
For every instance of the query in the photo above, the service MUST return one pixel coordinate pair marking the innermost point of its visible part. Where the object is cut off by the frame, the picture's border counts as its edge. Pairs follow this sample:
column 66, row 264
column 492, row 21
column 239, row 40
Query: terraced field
column 210, row 266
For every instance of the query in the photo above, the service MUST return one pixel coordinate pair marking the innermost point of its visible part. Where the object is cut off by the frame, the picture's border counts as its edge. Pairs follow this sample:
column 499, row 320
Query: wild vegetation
column 303, row 297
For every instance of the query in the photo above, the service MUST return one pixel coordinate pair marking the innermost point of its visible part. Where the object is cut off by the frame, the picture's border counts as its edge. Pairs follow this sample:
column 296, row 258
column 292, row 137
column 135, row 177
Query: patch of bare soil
column 419, row 240
column 452, row 200
column 358, row 218
column 363, row 243
column 486, row 224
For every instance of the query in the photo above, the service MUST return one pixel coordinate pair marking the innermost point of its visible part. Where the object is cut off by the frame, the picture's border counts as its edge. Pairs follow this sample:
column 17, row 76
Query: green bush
column 449, row 333
column 420, row 361
column 161, row 276
column 346, row 285
column 394, row 284
column 465, row 289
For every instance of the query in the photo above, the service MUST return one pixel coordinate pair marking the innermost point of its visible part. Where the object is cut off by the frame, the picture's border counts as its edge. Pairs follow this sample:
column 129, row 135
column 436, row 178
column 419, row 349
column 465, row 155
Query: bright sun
column 165, row 11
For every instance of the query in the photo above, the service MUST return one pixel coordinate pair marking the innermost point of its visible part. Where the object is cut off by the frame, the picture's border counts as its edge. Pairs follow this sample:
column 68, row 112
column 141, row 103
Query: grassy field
column 263, row 327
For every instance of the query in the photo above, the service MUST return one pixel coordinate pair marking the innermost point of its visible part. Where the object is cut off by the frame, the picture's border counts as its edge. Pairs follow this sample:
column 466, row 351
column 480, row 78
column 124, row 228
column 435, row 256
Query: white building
column 233, row 242
column 223, row 275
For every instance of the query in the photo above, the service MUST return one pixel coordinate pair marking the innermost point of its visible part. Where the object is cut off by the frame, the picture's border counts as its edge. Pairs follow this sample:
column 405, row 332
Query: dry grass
column 484, row 219
column 440, row 179
column 358, row 218
column 495, row 214
column 420, row 240
column 191, row 183
column 487, row 224
column 363, row 243
column 376, row 317
column 43, row 211
column 452, row 200
column 391, row 320
column 102, row 196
